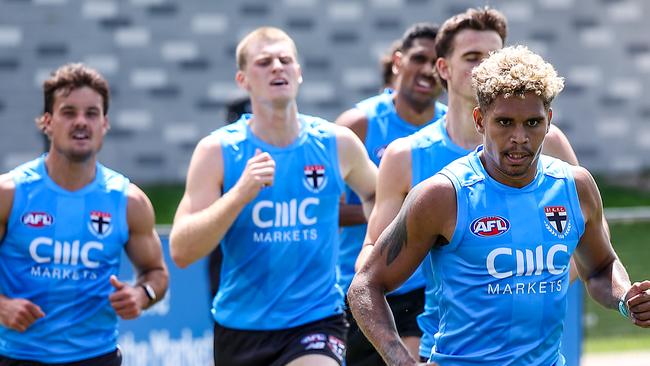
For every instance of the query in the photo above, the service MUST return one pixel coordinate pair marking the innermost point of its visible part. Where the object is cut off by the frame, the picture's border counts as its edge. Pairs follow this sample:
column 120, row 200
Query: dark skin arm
column 357, row 121
column 598, row 265
column 396, row 255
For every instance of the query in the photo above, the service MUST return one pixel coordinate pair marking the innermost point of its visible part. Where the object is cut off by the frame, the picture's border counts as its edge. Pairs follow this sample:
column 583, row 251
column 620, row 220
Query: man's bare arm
column 16, row 314
column 397, row 254
column 356, row 168
column 357, row 121
column 204, row 215
column 145, row 252
column 598, row 265
column 7, row 188
column 557, row 145
column 393, row 184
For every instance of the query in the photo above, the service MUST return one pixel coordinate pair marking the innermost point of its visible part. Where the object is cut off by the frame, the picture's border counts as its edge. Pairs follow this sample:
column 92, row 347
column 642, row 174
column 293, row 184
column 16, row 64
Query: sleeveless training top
column 59, row 251
column 384, row 126
column 279, row 256
column 505, row 274
column 431, row 150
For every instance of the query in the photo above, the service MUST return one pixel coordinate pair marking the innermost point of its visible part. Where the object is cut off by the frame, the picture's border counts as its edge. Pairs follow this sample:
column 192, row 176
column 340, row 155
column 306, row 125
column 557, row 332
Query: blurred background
column 171, row 68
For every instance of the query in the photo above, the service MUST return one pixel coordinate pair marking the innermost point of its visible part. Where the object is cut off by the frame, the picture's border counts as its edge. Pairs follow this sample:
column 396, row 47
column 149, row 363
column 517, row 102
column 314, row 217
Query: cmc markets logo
column 490, row 226
column 524, row 262
column 45, row 250
column 268, row 214
column 37, row 219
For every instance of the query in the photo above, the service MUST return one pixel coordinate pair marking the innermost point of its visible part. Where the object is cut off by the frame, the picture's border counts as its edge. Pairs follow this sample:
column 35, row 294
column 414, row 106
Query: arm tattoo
column 395, row 238
column 396, row 232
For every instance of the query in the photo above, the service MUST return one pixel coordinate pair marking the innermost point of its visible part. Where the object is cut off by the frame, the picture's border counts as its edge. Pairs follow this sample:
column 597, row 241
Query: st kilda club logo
column 100, row 224
column 314, row 178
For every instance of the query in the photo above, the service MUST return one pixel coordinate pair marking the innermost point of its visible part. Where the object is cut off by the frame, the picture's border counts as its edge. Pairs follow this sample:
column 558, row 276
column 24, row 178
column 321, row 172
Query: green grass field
column 605, row 330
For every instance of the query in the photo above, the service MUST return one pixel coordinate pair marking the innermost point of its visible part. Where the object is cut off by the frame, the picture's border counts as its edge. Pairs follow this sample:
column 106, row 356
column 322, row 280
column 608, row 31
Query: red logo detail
column 552, row 209
column 490, row 226
column 37, row 219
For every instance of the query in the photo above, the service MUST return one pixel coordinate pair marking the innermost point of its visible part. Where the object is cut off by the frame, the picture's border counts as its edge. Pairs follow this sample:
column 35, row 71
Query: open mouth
column 279, row 82
column 424, row 83
column 80, row 135
column 517, row 157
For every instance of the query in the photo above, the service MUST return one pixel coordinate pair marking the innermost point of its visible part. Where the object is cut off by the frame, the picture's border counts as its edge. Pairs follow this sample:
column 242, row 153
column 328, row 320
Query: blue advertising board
column 177, row 331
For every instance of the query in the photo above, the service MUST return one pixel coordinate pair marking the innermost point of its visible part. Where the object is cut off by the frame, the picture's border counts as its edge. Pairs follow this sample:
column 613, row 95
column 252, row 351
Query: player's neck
column 275, row 125
column 460, row 123
column 412, row 113
column 67, row 174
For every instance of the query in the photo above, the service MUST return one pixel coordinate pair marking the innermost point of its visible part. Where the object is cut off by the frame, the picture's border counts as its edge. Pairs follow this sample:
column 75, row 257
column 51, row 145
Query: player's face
column 77, row 124
column 513, row 133
column 470, row 47
column 417, row 80
column 272, row 73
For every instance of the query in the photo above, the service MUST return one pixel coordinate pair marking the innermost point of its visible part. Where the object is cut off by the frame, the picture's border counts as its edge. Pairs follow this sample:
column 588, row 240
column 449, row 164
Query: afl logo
column 37, row 219
column 490, row 226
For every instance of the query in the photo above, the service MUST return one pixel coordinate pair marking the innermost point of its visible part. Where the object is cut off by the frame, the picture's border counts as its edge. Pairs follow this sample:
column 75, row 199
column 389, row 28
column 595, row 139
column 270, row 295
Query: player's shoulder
column 344, row 136
column 398, row 148
column 435, row 192
column 138, row 200
column 429, row 135
column 28, row 172
column 7, row 189
column 354, row 119
column 230, row 134
column 7, row 184
column 582, row 176
column 377, row 102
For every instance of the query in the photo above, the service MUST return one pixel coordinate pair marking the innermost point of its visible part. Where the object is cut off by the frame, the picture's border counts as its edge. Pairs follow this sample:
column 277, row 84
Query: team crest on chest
column 557, row 222
column 100, row 224
column 314, row 178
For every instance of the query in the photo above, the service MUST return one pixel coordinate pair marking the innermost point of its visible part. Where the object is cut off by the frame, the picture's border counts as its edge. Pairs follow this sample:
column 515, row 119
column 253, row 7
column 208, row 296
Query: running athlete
column 378, row 121
column 278, row 301
column 498, row 228
column 64, row 221
column 462, row 42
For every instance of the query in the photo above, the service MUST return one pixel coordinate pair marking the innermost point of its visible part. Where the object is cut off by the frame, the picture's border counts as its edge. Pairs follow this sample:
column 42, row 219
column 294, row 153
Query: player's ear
column 397, row 62
column 478, row 120
column 442, row 68
column 240, row 79
column 549, row 117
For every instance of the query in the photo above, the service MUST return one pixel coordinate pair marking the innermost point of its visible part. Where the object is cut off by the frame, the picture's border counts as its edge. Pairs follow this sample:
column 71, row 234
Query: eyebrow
column 506, row 118
column 471, row 53
column 72, row 107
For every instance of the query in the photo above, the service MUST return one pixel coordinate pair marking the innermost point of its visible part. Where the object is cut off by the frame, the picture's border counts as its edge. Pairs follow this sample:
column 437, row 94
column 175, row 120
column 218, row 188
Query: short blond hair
column 515, row 70
column 269, row 34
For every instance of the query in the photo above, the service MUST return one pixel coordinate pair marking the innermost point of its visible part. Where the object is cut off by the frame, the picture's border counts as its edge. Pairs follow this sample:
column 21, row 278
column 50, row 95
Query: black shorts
column 405, row 308
column 233, row 347
column 109, row 359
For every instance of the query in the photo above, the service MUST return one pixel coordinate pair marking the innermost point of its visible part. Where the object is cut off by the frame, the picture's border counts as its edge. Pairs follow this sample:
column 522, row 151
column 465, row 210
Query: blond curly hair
column 515, row 70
